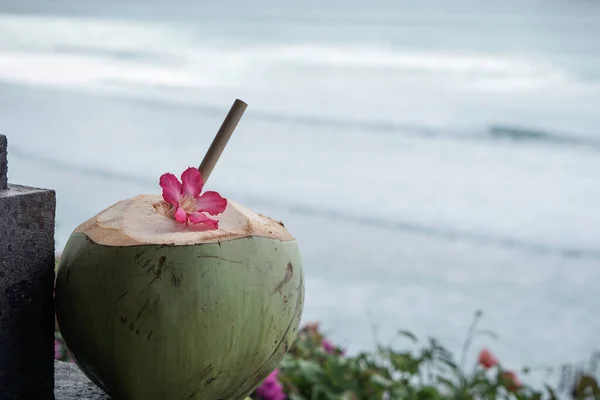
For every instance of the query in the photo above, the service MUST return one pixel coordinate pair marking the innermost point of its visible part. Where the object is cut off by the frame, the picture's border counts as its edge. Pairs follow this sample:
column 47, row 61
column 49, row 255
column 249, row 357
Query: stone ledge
column 71, row 384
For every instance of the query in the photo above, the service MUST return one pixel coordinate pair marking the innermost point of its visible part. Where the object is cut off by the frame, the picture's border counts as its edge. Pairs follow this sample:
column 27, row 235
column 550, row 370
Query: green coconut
column 152, row 309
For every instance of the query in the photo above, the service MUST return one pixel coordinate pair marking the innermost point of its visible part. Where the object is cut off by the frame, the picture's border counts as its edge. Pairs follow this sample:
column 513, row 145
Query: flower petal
column 171, row 188
column 180, row 215
column 192, row 182
column 328, row 346
column 199, row 218
column 487, row 359
column 211, row 202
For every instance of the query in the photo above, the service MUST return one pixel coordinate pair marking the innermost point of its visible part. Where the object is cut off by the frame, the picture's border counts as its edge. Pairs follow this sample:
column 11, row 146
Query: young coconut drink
column 188, row 296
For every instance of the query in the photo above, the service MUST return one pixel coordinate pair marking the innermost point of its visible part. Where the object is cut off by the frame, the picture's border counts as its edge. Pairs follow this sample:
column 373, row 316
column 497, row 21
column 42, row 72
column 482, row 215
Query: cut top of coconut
column 135, row 222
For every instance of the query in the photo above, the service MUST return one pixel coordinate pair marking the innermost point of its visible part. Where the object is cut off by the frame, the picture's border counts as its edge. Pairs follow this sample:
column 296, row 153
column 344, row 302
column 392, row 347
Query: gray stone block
column 71, row 384
column 26, row 293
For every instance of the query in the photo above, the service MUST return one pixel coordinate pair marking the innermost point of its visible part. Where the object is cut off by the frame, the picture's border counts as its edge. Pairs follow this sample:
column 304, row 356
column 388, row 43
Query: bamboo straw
column 221, row 138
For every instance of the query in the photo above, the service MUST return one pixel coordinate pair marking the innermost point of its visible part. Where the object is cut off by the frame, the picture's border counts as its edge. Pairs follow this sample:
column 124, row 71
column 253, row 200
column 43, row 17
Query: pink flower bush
column 271, row 389
column 184, row 203
column 487, row 359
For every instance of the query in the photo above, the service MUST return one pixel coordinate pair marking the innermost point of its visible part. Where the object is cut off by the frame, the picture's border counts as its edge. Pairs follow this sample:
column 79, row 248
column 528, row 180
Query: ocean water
column 432, row 158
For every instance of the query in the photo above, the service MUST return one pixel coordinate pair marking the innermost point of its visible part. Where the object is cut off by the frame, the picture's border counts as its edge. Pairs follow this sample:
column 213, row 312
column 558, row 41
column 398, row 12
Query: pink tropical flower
column 184, row 203
column 271, row 388
column 328, row 346
column 331, row 348
column 487, row 359
column 511, row 381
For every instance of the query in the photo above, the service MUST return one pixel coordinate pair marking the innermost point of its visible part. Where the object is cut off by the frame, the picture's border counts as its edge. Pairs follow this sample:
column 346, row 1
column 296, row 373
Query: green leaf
column 323, row 392
column 489, row 333
column 446, row 382
column 449, row 363
column 428, row 393
column 551, row 393
column 404, row 362
column 381, row 381
column 310, row 370
column 408, row 335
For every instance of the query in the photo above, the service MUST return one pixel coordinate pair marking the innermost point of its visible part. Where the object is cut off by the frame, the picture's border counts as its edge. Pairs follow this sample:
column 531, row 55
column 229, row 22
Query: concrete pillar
column 26, row 285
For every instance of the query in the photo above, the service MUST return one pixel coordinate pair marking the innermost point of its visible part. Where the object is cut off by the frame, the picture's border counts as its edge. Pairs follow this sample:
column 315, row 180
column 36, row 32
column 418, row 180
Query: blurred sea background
column 431, row 157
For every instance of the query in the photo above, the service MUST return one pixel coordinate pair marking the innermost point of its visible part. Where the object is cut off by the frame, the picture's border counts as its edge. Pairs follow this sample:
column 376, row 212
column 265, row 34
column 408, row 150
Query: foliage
column 316, row 369
column 310, row 372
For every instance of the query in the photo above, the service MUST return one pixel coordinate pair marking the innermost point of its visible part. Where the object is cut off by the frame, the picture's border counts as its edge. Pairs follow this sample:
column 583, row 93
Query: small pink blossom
column 331, row 348
column 184, row 203
column 271, row 388
column 328, row 346
column 511, row 381
column 487, row 359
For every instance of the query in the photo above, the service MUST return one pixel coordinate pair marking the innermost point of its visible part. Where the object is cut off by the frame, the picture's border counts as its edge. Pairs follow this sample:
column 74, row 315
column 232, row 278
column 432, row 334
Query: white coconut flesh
column 135, row 221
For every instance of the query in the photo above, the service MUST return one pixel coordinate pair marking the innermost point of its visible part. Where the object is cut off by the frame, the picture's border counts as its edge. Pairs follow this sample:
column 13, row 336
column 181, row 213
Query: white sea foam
column 66, row 52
